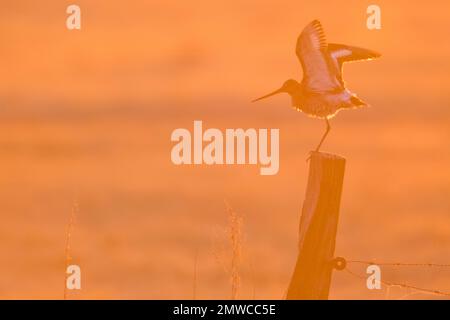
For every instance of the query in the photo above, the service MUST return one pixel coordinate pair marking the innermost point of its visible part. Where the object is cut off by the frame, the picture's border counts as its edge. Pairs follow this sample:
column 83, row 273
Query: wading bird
column 322, row 92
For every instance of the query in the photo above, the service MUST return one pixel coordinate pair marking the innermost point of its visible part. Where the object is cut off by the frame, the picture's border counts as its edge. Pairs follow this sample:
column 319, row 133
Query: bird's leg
column 325, row 135
column 322, row 140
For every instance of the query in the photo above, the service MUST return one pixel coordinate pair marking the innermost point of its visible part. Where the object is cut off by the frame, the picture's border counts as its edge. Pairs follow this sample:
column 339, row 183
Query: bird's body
column 319, row 105
column 322, row 92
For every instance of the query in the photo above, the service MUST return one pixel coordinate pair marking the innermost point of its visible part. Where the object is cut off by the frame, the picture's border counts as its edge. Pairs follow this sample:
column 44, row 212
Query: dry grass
column 235, row 237
column 68, row 255
column 194, row 291
column 133, row 227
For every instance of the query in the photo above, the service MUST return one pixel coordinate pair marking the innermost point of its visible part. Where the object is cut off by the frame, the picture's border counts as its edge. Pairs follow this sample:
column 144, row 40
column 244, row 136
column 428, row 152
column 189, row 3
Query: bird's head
column 289, row 86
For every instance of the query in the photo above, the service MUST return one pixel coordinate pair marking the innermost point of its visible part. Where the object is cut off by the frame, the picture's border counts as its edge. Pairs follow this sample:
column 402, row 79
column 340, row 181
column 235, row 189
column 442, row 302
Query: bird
column 322, row 93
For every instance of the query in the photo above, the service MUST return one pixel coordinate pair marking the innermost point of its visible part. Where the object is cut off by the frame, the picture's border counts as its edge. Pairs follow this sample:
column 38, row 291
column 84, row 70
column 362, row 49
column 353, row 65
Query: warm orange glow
column 86, row 117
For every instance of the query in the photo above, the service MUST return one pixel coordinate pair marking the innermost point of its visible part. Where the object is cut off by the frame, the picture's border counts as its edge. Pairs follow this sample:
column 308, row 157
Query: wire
column 403, row 285
column 398, row 264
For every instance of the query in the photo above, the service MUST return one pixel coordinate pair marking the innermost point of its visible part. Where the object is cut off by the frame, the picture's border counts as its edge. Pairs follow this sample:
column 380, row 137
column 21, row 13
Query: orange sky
column 153, row 51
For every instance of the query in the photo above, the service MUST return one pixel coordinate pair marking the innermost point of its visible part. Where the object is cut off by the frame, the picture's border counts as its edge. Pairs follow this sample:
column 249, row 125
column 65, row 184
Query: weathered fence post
column 318, row 226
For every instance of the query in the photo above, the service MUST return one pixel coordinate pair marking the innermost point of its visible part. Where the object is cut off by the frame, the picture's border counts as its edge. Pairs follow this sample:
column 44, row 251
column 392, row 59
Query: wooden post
column 318, row 226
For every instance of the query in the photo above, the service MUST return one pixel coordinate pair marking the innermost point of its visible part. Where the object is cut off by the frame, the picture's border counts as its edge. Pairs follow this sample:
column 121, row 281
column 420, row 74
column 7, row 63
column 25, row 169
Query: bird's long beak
column 270, row 94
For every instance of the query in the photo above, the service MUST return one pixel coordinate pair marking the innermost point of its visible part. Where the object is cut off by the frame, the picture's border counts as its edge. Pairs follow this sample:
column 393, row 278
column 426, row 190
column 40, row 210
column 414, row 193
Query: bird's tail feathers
column 356, row 102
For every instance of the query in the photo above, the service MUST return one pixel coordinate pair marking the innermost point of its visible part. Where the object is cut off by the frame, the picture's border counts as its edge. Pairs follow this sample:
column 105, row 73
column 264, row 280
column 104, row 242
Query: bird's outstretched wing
column 341, row 53
column 312, row 52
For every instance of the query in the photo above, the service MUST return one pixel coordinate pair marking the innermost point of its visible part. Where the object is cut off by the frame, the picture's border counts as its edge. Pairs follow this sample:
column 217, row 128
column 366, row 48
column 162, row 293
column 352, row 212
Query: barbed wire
column 341, row 263
column 399, row 264
column 403, row 285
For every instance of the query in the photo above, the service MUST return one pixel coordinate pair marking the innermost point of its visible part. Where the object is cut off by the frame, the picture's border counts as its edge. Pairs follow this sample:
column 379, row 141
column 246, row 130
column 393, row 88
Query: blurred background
column 86, row 118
